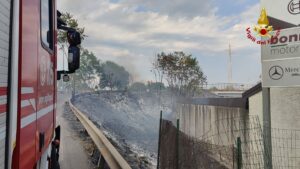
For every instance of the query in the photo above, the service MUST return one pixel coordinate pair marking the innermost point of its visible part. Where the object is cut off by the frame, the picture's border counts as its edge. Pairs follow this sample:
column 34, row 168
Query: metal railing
column 228, row 86
column 112, row 157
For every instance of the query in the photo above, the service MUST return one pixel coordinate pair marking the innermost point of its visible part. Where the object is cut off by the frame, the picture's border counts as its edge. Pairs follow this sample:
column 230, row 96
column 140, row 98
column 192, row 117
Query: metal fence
column 232, row 143
column 285, row 148
column 228, row 86
column 180, row 151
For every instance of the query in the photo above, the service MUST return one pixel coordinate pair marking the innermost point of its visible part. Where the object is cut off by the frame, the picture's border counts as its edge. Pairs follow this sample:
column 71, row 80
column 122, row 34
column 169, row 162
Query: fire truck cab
column 29, row 137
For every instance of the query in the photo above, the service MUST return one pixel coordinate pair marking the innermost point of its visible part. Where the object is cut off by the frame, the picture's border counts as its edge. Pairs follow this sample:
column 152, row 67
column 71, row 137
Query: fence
column 228, row 86
column 231, row 143
column 178, row 151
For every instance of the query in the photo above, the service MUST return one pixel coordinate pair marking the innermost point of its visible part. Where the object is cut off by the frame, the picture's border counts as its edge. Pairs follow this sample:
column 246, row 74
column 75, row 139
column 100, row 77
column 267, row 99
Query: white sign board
column 281, row 60
column 281, row 73
column 285, row 46
column 285, row 10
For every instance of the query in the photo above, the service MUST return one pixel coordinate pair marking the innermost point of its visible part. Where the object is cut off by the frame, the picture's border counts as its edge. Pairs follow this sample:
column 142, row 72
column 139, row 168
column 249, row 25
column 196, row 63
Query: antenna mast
column 229, row 65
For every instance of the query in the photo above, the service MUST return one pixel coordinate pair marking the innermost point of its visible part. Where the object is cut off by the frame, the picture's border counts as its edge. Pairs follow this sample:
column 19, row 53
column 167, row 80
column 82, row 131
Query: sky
column 132, row 32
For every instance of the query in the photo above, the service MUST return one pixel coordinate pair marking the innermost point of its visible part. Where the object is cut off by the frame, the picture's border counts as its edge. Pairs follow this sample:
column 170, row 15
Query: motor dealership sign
column 281, row 60
column 281, row 73
column 284, row 46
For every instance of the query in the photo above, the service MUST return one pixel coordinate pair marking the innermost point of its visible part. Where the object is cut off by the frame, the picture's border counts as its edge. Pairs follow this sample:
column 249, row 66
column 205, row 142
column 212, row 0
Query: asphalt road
column 72, row 153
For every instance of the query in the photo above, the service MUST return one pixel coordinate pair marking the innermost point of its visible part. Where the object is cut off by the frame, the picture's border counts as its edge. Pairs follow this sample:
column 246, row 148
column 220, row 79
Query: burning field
column 129, row 120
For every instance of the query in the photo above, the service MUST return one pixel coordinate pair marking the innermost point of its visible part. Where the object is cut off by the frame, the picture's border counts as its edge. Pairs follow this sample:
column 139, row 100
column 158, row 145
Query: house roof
column 252, row 91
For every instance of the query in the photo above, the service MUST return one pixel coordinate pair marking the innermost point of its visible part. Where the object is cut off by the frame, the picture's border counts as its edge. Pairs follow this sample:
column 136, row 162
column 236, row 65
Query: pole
column 233, row 156
column 73, row 85
column 177, row 145
column 230, row 65
column 159, row 137
column 267, row 129
column 239, row 153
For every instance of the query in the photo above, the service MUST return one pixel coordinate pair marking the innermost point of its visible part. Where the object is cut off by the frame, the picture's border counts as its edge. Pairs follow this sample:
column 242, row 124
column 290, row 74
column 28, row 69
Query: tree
column 72, row 23
column 113, row 76
column 181, row 71
column 87, row 76
column 88, row 72
column 138, row 86
column 155, row 86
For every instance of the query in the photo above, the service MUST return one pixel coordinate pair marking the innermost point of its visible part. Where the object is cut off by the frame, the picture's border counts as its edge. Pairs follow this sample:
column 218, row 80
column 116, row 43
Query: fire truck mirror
column 66, row 78
column 74, row 38
column 73, row 58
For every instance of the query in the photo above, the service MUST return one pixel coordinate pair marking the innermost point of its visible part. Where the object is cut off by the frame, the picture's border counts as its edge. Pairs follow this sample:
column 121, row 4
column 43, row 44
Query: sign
column 281, row 54
column 282, row 10
column 284, row 46
column 281, row 60
column 281, row 73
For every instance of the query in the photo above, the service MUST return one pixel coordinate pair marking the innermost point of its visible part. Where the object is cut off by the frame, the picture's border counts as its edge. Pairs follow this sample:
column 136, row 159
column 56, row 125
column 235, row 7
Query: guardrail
column 112, row 157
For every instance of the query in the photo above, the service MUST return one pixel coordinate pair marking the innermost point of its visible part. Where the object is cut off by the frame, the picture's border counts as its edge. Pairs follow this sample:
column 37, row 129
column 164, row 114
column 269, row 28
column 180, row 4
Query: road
column 72, row 153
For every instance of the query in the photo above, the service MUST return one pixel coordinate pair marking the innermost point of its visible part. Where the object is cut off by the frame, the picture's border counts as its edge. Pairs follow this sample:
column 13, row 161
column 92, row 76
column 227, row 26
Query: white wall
column 200, row 121
column 255, row 106
column 285, row 107
column 285, row 124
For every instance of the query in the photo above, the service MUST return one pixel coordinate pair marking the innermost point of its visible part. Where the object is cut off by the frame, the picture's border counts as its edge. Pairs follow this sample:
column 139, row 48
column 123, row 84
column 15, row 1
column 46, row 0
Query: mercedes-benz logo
column 276, row 72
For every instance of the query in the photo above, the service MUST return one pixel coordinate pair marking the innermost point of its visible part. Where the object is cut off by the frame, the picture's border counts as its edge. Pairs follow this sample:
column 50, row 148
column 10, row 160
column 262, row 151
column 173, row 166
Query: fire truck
column 29, row 137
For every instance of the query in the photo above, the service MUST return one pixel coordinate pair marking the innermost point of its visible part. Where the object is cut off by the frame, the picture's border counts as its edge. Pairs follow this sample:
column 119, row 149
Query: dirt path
column 72, row 153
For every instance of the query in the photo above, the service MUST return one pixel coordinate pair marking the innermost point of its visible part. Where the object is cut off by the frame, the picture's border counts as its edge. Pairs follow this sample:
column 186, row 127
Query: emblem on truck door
column 46, row 71
column 43, row 70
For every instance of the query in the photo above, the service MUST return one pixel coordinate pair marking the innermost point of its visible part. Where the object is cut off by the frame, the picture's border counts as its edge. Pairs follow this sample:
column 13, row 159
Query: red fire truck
column 29, row 137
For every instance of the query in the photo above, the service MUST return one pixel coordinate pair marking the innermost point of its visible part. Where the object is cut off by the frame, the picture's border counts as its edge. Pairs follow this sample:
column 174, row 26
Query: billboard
column 281, row 60
column 284, row 46
column 281, row 73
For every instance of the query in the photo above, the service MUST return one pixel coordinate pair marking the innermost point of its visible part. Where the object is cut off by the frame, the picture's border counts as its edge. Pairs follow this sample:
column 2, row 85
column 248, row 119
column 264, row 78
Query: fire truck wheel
column 54, row 164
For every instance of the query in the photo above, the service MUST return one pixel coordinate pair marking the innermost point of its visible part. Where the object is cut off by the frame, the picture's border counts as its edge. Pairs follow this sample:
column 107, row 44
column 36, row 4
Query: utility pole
column 267, row 139
column 229, row 65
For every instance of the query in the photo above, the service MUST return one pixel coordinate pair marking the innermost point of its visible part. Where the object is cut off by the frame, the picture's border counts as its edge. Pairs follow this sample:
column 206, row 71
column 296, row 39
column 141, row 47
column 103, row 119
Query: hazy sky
column 131, row 32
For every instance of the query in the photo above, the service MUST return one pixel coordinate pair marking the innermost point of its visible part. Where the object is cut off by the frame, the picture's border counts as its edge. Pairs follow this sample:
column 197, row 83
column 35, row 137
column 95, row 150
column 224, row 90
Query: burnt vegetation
column 128, row 110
